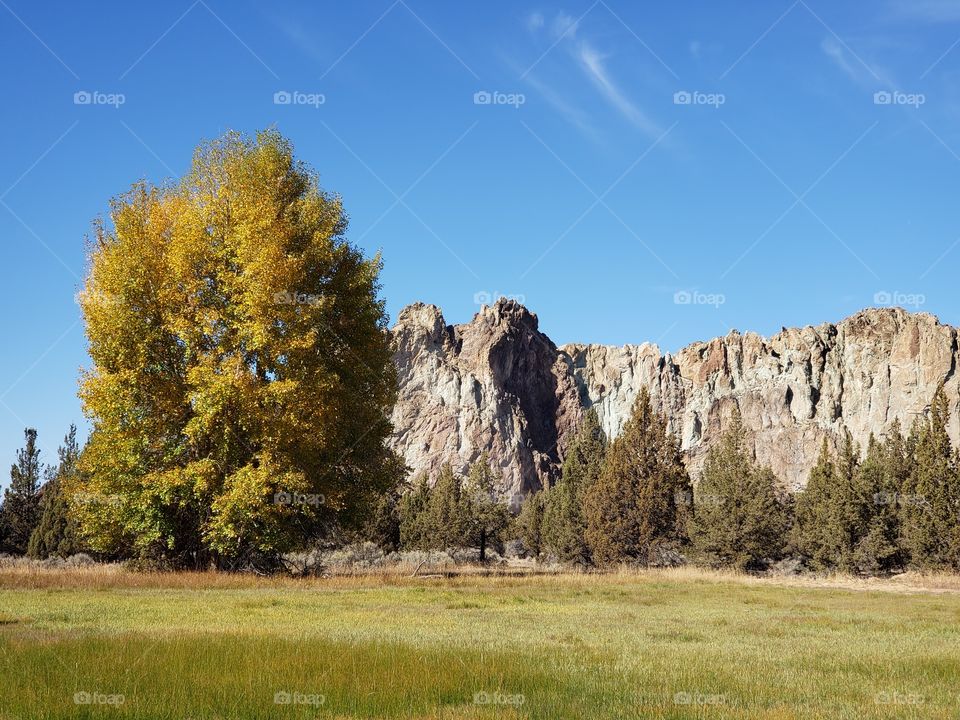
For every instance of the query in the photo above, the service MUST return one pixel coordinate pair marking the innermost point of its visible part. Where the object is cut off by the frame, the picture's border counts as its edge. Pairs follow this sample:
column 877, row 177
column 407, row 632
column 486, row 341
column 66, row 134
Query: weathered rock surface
column 498, row 384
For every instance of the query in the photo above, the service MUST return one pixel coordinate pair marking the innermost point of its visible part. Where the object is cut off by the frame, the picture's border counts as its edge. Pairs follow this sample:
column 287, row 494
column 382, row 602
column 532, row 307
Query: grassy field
column 683, row 644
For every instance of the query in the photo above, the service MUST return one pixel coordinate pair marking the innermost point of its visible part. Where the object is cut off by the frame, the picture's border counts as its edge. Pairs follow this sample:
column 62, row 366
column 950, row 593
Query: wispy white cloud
column 855, row 67
column 836, row 54
column 564, row 26
column 562, row 31
column 574, row 115
column 593, row 64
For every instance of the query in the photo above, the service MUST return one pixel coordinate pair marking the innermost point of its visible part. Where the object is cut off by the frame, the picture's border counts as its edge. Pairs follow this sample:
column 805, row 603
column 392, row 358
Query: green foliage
column 529, row 524
column 485, row 518
column 830, row 512
column 239, row 354
column 740, row 517
column 638, row 508
column 454, row 513
column 20, row 511
column 56, row 533
column 879, row 481
column 414, row 526
column 382, row 525
column 564, row 525
column 930, row 507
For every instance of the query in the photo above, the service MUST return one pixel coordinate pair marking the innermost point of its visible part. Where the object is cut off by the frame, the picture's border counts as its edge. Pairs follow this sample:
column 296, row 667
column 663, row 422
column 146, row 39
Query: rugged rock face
column 498, row 384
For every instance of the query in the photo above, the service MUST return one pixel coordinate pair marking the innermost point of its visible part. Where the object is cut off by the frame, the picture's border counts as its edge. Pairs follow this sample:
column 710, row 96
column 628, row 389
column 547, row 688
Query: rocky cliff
column 498, row 384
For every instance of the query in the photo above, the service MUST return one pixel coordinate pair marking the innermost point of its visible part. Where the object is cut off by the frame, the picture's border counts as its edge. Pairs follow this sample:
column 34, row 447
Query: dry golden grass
column 114, row 576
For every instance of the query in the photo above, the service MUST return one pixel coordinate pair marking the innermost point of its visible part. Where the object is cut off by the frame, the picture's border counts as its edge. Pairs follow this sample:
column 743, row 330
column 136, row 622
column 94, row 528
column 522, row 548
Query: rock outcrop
column 498, row 384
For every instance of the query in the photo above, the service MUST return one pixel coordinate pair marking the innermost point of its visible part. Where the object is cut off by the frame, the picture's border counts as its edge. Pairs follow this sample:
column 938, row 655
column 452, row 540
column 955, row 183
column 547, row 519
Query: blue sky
column 632, row 171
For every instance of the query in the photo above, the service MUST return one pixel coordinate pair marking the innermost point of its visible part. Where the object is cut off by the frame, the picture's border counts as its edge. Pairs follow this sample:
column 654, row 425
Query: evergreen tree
column 831, row 513
column 56, row 533
column 444, row 521
column 485, row 518
column 529, row 525
column 20, row 512
column 564, row 525
column 637, row 510
column 414, row 506
column 879, row 484
column 740, row 518
column 930, row 506
column 382, row 526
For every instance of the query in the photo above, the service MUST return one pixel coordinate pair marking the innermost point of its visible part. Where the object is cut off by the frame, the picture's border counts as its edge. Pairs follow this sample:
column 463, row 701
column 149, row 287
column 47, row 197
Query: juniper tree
column 564, row 524
column 740, row 518
column 529, row 524
column 484, row 517
column 57, row 533
column 830, row 513
column 20, row 512
column 414, row 528
column 931, row 503
column 637, row 509
column 879, row 483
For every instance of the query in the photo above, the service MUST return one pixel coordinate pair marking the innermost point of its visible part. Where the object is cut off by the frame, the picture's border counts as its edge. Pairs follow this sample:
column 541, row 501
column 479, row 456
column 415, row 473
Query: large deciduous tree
column 242, row 375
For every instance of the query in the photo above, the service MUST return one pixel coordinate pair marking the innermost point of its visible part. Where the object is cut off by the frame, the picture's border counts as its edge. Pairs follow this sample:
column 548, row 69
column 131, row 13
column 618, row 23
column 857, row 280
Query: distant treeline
column 894, row 506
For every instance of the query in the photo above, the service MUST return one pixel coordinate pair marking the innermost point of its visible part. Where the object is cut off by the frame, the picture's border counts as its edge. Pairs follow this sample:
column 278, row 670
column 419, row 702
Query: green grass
column 572, row 646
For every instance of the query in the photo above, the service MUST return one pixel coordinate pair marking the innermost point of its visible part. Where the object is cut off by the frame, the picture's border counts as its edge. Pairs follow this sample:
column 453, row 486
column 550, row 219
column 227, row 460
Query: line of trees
column 894, row 506
column 35, row 517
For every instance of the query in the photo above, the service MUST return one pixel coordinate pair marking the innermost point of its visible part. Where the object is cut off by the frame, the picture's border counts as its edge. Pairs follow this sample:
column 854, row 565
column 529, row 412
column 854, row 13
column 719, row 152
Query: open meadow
column 106, row 643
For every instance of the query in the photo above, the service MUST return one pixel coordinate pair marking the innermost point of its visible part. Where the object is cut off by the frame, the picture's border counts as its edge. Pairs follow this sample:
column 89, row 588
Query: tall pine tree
column 637, row 510
column 930, row 506
column 564, row 524
column 830, row 513
column 740, row 516
column 21, row 500
column 57, row 533
column 484, row 517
